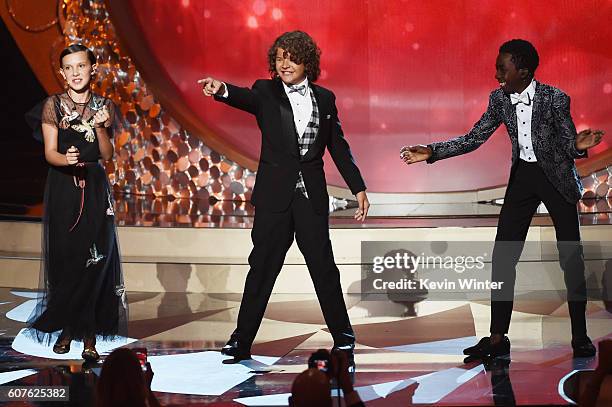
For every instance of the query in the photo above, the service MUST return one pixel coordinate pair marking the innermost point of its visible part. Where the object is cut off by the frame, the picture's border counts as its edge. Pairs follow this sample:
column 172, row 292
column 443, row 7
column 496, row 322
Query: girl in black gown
column 84, row 295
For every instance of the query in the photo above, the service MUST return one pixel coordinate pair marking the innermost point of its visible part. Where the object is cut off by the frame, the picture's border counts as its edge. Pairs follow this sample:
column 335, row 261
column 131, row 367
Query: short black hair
column 524, row 54
column 301, row 48
column 74, row 48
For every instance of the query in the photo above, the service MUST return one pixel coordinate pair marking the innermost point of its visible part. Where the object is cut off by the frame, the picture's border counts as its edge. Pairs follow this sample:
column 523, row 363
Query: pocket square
column 328, row 116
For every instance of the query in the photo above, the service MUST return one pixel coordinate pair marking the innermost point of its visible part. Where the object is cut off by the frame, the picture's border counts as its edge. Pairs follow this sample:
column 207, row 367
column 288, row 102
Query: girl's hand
column 72, row 155
column 101, row 117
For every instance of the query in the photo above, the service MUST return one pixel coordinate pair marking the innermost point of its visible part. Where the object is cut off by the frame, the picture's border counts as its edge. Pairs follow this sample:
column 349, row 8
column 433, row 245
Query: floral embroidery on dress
column 83, row 126
column 95, row 256
column 109, row 211
column 120, row 292
column 68, row 115
column 87, row 128
column 97, row 103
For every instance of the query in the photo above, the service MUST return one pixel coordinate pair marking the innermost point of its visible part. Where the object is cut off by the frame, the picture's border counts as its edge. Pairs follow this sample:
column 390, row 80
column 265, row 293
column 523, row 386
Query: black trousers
column 528, row 187
column 272, row 236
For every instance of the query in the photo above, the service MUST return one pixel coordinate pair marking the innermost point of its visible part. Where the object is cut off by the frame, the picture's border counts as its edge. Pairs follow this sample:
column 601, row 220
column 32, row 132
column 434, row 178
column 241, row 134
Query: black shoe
column 61, row 349
column 583, row 348
column 235, row 349
column 62, row 345
column 90, row 354
column 479, row 348
column 472, row 358
column 484, row 348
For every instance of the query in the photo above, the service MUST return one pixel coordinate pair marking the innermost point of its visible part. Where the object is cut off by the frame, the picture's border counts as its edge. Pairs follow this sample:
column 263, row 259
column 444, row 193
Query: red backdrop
column 404, row 72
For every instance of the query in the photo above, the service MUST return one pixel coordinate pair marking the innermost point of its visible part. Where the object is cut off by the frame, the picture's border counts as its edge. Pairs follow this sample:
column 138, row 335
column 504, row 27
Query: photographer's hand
column 339, row 370
column 148, row 376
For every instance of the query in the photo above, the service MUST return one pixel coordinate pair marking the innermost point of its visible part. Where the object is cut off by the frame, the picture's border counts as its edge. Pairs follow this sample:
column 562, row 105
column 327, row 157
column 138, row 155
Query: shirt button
column 521, row 111
column 523, row 122
column 527, row 147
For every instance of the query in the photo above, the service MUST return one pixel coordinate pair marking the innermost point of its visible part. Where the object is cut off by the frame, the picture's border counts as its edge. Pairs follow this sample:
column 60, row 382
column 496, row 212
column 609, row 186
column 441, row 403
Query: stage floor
column 407, row 353
column 131, row 210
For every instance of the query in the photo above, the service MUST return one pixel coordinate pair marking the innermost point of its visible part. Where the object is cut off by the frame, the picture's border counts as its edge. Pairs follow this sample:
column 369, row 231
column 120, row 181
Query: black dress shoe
column 235, row 349
column 484, row 348
column 479, row 348
column 236, row 359
column 583, row 347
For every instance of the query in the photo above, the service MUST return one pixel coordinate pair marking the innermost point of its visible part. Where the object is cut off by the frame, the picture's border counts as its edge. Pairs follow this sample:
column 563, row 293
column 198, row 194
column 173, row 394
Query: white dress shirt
column 301, row 106
column 524, row 108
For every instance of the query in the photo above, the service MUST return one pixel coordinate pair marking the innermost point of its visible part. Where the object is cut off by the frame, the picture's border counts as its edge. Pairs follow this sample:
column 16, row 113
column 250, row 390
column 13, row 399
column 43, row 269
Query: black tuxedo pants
column 528, row 187
column 272, row 237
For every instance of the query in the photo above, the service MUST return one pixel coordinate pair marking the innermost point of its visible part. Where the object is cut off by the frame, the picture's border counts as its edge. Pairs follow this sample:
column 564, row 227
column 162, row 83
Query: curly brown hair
column 301, row 48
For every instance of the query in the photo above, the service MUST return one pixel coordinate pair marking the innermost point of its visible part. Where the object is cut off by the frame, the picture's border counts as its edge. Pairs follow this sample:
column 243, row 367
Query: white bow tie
column 525, row 99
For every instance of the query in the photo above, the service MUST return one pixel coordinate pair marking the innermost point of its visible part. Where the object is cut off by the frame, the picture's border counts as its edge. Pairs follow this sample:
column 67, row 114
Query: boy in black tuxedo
column 298, row 121
column 544, row 146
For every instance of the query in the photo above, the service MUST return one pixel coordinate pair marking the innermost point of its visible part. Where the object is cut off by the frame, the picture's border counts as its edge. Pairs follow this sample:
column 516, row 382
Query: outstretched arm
column 482, row 130
column 240, row 98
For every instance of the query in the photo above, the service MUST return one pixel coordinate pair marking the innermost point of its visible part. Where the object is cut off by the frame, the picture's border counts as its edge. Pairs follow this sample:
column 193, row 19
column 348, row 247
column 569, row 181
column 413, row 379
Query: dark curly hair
column 524, row 54
column 301, row 48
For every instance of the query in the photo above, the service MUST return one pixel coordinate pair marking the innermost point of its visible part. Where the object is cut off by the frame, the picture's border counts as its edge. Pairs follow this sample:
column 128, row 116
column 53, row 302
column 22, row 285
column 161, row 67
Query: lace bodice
column 75, row 125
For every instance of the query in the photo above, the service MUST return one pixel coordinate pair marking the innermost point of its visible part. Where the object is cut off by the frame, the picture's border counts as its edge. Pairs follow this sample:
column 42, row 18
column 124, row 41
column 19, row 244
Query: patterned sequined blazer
column 553, row 136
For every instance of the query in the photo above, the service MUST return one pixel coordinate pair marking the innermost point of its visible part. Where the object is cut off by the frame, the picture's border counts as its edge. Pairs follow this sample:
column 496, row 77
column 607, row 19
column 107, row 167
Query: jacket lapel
column 287, row 122
column 536, row 112
column 315, row 91
column 510, row 113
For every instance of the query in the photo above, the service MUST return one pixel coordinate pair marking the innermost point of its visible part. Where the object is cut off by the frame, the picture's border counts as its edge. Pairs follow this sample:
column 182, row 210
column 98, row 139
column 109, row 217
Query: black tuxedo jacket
column 280, row 161
column 553, row 136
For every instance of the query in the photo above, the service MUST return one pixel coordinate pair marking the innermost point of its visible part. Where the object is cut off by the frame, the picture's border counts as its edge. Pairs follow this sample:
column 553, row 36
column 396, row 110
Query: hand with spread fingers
column 588, row 138
column 211, row 86
column 414, row 154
